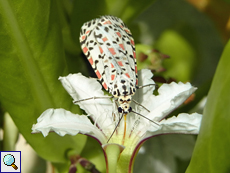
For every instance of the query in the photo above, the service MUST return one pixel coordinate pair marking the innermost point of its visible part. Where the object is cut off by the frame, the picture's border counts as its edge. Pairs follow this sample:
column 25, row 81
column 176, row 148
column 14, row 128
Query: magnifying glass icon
column 9, row 160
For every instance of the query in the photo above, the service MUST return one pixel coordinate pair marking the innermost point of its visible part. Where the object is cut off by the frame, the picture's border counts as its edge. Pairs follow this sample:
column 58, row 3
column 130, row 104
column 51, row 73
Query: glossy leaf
column 212, row 148
column 32, row 59
column 84, row 11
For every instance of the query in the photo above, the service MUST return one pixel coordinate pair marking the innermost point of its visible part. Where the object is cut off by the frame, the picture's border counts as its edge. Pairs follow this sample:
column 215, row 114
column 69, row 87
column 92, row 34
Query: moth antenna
column 116, row 127
column 145, row 118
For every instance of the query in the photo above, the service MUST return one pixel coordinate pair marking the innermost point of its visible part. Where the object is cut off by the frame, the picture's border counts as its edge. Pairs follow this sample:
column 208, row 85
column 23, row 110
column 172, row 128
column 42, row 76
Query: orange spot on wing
column 134, row 55
column 128, row 31
column 136, row 81
column 127, row 75
column 87, row 32
column 83, row 37
column 136, row 69
column 112, row 51
column 98, row 74
column 118, row 33
column 120, row 63
column 104, row 39
column 105, row 86
column 122, row 46
column 101, row 50
column 112, row 66
column 107, row 22
column 132, row 42
column 112, row 77
column 85, row 49
column 90, row 60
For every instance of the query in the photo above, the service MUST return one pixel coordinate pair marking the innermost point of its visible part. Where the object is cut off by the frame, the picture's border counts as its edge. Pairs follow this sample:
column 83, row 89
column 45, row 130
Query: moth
column 109, row 47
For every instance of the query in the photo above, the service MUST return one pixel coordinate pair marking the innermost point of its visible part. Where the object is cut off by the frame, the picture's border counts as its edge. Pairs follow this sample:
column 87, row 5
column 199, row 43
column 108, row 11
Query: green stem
column 113, row 153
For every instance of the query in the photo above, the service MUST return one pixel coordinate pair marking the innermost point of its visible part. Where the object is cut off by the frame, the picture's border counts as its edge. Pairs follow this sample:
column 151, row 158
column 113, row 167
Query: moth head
column 124, row 102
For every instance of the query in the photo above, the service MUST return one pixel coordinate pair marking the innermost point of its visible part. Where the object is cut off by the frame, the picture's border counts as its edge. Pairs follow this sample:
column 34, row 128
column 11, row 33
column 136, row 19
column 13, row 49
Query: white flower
column 103, row 112
column 102, row 117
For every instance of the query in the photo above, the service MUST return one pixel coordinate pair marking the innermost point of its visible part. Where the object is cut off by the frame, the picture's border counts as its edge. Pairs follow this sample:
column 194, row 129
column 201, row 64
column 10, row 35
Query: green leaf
column 134, row 8
column 84, row 11
column 212, row 150
column 179, row 30
column 32, row 59
column 161, row 153
column 127, row 9
column 94, row 152
column 182, row 55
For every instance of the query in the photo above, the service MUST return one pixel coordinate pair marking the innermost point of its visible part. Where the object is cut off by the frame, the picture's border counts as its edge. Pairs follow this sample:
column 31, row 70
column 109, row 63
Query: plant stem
column 113, row 153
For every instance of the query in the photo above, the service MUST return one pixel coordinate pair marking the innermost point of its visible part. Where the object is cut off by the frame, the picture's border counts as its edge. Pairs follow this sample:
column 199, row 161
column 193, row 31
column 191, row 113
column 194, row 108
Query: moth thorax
column 124, row 102
column 123, row 88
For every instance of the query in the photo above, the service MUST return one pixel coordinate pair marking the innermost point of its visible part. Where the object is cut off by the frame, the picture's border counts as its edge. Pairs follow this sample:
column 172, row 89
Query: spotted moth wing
column 109, row 46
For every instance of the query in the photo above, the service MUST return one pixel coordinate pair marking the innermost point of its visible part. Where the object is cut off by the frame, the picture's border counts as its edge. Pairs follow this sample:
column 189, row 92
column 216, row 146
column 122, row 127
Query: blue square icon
column 10, row 161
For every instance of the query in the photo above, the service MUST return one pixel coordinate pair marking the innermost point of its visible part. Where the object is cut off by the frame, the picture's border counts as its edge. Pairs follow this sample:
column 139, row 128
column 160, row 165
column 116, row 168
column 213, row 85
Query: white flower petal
column 145, row 78
column 142, row 95
column 170, row 97
column 80, row 88
column 64, row 122
column 183, row 123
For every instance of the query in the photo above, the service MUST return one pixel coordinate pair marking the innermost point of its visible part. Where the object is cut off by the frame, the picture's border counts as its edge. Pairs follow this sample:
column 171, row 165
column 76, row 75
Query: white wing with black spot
column 110, row 49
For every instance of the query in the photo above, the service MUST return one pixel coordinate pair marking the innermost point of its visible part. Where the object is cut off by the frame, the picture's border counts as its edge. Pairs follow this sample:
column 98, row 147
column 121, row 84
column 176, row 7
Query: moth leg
column 140, row 105
column 140, row 87
column 105, row 97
